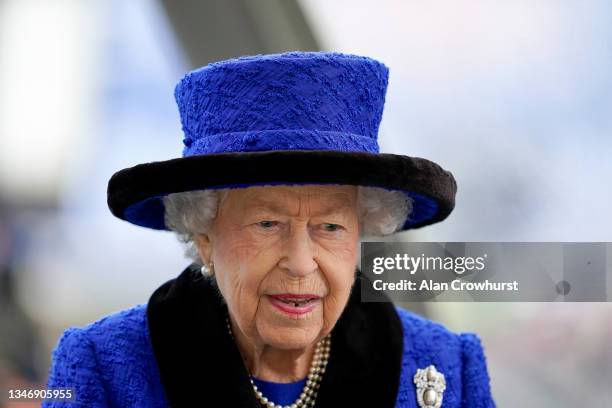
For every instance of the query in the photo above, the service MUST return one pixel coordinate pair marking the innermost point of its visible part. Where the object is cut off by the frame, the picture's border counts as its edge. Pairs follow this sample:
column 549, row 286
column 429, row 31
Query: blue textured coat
column 112, row 363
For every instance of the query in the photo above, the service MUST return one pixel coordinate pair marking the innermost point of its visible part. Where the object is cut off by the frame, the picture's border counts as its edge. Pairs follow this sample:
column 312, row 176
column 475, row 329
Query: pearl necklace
column 317, row 367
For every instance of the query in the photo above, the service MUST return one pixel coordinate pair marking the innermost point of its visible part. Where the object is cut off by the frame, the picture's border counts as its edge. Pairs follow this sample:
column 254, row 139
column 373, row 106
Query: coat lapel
column 199, row 362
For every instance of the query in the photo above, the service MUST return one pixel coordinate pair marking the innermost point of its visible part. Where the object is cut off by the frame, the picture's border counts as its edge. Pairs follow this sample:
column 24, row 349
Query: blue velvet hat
column 282, row 119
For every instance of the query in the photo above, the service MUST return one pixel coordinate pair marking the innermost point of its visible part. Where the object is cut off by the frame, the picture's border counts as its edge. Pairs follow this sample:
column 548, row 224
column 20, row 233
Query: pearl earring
column 208, row 270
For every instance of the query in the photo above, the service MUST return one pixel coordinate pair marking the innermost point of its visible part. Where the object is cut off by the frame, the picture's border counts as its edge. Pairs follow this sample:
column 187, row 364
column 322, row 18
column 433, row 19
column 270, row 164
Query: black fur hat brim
column 136, row 194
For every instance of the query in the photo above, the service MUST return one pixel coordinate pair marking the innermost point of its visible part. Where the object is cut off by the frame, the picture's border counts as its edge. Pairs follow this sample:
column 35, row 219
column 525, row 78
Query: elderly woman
column 280, row 178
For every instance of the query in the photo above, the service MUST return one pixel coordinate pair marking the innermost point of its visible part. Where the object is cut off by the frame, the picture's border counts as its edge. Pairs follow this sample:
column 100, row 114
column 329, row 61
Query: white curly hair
column 381, row 212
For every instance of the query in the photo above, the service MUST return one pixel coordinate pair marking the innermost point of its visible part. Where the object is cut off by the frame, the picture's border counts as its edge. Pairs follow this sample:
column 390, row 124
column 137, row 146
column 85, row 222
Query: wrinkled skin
column 283, row 239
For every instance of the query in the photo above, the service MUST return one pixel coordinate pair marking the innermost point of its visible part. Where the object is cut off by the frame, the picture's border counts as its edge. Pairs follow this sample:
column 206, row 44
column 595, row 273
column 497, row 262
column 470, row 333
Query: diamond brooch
column 430, row 385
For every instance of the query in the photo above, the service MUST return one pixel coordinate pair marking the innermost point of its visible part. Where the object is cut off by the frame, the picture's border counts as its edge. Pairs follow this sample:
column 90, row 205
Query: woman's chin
column 288, row 331
column 290, row 339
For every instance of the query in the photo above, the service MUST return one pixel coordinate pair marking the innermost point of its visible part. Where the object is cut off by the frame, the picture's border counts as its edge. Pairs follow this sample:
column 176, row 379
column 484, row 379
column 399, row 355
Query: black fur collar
column 200, row 364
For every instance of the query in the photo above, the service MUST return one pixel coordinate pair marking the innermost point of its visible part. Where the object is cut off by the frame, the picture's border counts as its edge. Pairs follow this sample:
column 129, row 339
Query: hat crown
column 297, row 100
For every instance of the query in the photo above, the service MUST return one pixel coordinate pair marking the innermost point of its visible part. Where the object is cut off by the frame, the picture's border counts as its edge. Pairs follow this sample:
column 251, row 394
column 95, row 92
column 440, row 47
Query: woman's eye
column 267, row 224
column 331, row 227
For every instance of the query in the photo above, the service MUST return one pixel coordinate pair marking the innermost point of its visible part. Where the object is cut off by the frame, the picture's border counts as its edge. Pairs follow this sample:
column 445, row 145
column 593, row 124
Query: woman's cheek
column 332, row 309
column 236, row 252
column 339, row 281
column 339, row 266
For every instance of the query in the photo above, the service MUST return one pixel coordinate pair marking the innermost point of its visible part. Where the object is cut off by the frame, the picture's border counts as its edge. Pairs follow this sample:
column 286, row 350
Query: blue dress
column 280, row 393
column 172, row 352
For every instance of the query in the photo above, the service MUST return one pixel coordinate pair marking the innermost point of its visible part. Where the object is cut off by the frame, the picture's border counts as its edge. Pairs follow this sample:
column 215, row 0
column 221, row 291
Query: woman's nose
column 299, row 252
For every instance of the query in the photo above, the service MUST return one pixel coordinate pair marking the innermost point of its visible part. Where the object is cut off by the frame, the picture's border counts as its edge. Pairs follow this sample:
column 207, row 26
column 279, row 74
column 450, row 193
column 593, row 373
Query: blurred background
column 514, row 97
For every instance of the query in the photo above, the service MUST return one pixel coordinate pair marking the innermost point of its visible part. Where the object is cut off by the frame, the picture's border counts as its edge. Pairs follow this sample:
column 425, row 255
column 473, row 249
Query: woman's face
column 284, row 260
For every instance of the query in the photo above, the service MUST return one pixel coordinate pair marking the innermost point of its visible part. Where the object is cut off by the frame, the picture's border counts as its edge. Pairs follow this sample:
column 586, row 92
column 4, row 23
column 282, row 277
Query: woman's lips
column 294, row 304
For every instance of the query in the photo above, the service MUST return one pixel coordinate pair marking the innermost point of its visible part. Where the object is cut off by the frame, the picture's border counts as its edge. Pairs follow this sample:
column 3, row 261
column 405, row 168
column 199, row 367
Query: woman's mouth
column 294, row 304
